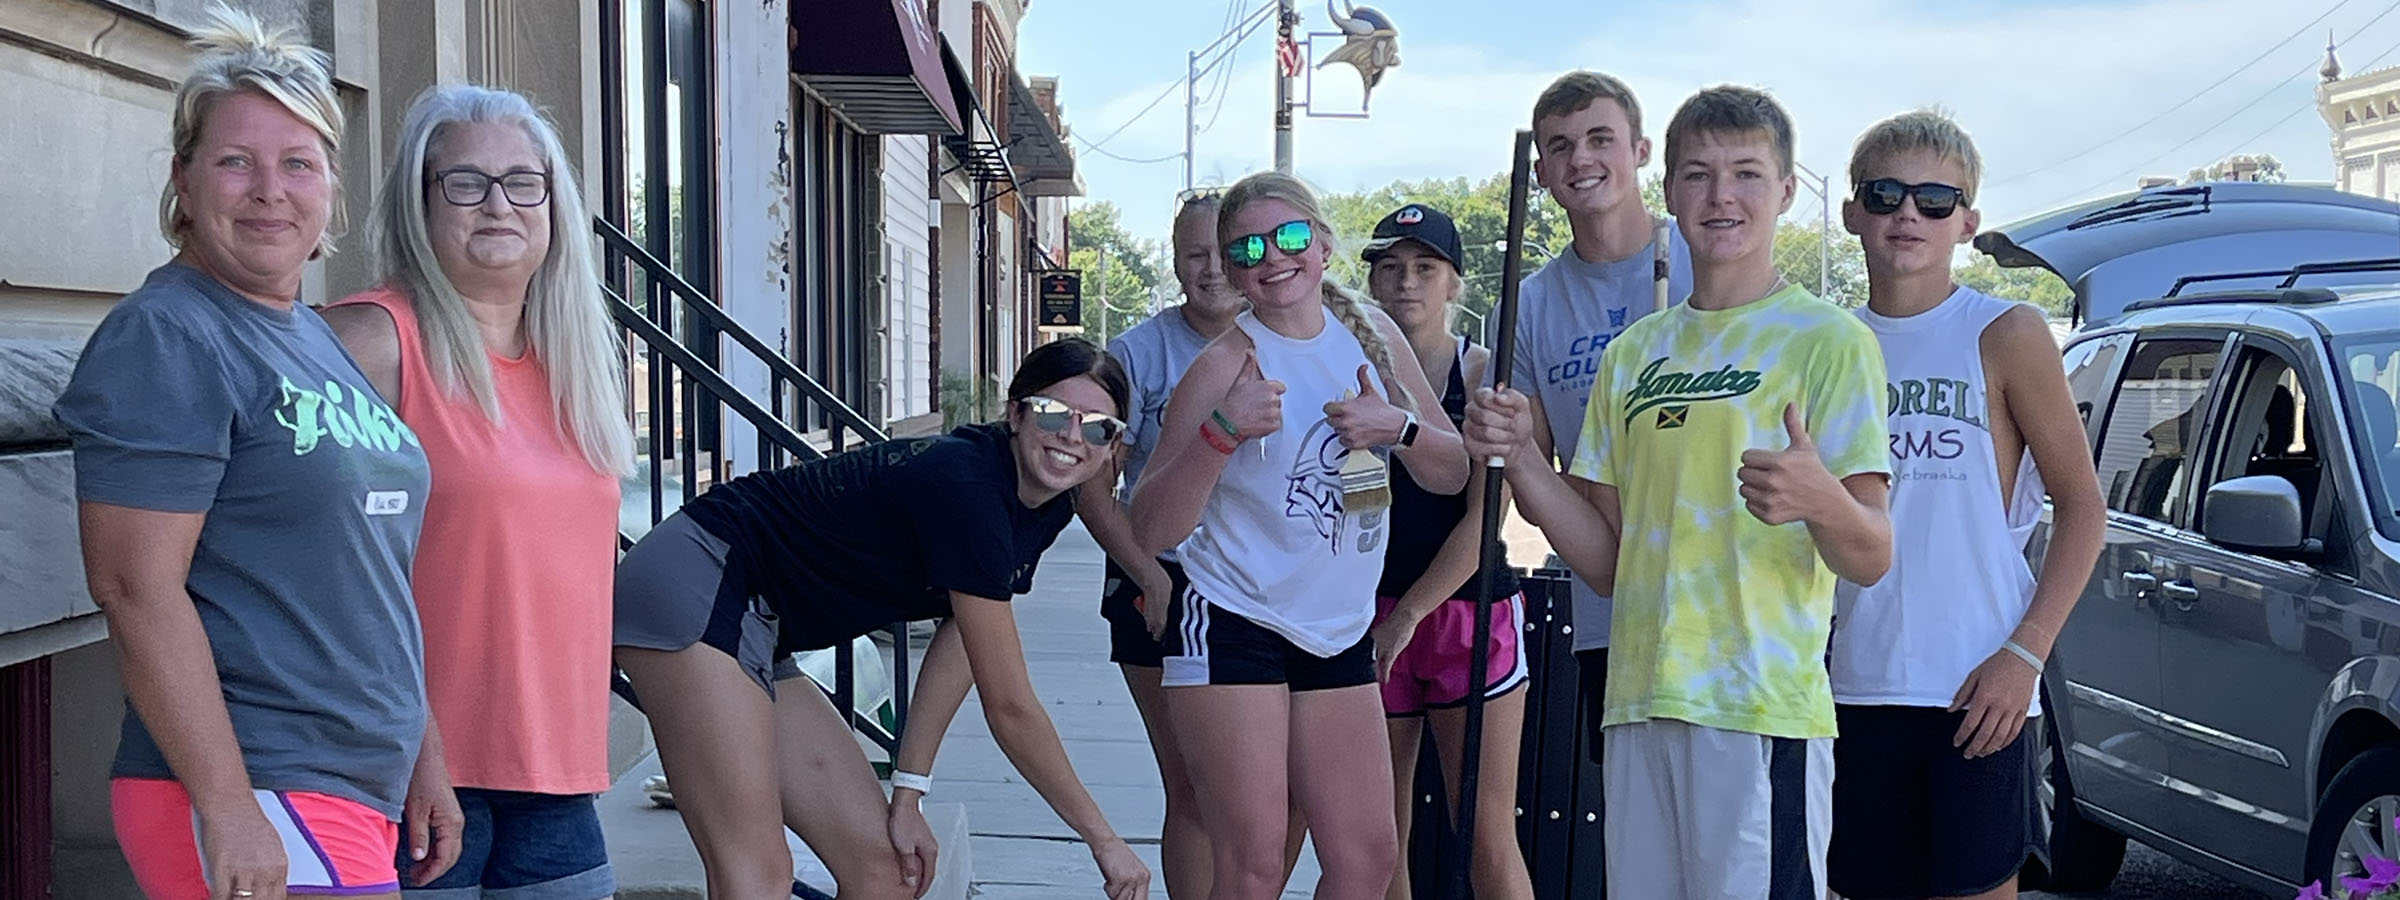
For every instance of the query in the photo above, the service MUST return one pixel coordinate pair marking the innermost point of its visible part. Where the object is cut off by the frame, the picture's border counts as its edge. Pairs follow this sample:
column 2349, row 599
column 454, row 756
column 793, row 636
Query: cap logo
column 1409, row 215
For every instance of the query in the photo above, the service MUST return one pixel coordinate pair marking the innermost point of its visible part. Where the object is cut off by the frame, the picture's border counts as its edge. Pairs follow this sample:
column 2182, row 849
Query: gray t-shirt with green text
column 190, row 398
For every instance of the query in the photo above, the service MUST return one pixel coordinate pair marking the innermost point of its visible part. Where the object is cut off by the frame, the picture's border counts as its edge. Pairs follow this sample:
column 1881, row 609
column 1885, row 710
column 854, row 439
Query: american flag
column 1287, row 54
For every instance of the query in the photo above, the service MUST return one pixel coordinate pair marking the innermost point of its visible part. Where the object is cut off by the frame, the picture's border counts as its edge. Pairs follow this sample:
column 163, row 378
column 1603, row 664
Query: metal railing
column 672, row 324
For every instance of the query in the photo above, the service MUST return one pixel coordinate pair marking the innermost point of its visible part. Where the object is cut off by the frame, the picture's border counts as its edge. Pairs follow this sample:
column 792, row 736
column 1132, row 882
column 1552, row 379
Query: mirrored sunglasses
column 1290, row 237
column 1055, row 416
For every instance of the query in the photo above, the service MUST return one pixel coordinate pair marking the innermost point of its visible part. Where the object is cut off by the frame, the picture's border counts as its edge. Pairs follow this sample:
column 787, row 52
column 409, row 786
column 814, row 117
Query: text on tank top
column 1274, row 544
column 1959, row 583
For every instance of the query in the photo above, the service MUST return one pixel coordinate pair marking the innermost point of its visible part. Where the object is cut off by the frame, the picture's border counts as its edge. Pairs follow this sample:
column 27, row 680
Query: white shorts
column 1697, row 813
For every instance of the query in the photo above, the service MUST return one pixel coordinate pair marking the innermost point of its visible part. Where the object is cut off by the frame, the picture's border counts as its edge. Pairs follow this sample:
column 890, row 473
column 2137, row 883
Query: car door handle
column 2140, row 582
column 2182, row 593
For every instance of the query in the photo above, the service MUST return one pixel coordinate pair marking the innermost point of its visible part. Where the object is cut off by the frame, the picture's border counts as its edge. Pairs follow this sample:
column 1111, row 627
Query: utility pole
column 1285, row 18
column 1191, row 101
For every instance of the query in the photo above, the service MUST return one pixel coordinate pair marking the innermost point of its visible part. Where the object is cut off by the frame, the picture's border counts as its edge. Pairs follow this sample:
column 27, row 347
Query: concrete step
column 655, row 860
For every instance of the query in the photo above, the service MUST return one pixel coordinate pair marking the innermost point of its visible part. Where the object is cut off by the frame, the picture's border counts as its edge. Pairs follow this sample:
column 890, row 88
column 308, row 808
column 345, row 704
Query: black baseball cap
column 1423, row 224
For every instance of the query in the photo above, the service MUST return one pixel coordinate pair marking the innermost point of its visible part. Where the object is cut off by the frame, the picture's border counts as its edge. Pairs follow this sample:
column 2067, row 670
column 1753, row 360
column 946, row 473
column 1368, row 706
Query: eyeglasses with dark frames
column 471, row 187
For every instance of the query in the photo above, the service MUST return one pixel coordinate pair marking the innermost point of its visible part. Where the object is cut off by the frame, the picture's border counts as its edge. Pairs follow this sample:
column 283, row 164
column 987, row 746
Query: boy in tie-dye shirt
column 1735, row 454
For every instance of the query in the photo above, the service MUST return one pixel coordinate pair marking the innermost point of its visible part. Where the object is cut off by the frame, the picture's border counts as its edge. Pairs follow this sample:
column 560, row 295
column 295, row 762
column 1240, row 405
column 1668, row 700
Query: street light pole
column 1285, row 18
column 1191, row 127
column 1824, row 189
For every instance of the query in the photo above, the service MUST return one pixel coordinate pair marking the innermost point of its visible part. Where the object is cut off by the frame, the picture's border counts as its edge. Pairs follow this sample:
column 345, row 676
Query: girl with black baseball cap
column 1424, row 631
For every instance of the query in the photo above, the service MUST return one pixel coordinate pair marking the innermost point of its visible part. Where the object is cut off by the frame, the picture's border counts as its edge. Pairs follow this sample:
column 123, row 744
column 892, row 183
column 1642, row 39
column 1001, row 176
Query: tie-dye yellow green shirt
column 1721, row 620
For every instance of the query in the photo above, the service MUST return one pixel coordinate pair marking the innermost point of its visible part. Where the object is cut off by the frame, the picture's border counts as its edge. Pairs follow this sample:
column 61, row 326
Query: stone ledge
column 32, row 373
column 41, row 562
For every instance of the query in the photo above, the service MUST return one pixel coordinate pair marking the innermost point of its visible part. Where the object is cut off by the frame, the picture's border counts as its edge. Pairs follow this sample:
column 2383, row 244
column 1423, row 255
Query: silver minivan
column 2228, row 689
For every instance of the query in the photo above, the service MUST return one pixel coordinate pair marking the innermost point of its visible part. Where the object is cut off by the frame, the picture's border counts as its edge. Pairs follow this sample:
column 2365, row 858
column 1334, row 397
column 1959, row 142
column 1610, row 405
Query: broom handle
column 1488, row 558
column 1659, row 233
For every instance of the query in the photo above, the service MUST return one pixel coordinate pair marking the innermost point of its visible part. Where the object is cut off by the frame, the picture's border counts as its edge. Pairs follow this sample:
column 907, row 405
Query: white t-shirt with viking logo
column 1274, row 544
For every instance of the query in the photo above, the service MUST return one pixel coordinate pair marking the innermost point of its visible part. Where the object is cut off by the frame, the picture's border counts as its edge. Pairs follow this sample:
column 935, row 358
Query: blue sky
column 2045, row 87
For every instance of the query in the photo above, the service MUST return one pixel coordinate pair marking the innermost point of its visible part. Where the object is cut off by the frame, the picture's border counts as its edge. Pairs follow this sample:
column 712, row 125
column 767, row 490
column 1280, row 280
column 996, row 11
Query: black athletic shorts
column 1591, row 686
column 1913, row 817
column 1208, row 644
column 1129, row 640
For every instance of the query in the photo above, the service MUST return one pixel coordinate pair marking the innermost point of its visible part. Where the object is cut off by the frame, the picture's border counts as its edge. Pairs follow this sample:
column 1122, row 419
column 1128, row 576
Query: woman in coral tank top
column 490, row 337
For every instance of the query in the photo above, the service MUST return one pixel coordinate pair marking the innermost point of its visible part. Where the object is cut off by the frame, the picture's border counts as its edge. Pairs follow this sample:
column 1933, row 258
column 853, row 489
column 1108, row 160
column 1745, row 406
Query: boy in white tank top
column 1935, row 666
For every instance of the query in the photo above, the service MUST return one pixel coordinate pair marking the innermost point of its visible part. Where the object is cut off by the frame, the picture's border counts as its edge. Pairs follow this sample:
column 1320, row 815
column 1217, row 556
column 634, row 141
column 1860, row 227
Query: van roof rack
column 2292, row 275
column 2286, row 296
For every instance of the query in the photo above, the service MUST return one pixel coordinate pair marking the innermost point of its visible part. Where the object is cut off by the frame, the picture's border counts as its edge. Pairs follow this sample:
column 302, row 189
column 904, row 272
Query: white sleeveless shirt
column 1274, row 545
column 1959, row 583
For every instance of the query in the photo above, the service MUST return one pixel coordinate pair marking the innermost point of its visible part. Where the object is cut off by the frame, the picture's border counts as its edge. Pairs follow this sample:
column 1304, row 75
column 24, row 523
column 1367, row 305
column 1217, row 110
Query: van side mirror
column 2257, row 513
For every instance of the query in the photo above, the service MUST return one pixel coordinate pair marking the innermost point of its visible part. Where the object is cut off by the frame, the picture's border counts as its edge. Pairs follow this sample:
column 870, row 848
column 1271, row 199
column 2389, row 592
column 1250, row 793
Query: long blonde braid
column 1348, row 306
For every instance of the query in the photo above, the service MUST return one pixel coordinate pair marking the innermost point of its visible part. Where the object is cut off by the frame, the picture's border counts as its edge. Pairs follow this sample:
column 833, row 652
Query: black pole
column 1488, row 559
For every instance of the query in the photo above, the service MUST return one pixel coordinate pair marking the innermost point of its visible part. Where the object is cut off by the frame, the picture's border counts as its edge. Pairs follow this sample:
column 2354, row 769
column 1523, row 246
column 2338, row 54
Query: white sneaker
column 655, row 787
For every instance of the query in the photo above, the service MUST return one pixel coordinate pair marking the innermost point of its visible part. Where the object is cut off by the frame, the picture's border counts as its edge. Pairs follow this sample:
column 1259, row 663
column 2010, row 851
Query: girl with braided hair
column 1269, row 481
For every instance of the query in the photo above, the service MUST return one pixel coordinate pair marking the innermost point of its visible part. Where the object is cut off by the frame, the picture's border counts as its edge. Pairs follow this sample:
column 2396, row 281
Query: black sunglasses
column 1883, row 196
column 1292, row 237
column 1055, row 416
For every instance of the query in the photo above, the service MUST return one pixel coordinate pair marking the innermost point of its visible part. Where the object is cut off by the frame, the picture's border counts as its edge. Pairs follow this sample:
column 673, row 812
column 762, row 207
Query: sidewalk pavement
column 1021, row 850
column 1015, row 847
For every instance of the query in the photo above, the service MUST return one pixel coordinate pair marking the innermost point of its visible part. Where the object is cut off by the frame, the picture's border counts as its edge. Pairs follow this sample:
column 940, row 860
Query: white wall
column 754, row 226
column 958, row 289
column 908, row 277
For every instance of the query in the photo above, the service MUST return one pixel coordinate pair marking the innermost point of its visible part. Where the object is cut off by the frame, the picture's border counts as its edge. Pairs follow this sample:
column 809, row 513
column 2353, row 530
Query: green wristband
column 1230, row 431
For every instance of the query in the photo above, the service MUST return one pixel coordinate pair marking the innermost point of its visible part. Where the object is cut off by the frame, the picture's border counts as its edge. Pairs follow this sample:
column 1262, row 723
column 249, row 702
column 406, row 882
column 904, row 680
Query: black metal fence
column 1558, row 787
column 676, row 329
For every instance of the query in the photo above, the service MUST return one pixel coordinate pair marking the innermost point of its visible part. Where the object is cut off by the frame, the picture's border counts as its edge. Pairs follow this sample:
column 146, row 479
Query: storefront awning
column 878, row 61
column 976, row 148
column 1036, row 149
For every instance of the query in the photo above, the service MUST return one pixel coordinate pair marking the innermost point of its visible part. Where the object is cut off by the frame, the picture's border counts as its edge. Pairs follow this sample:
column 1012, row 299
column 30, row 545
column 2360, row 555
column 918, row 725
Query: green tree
column 1480, row 210
column 1803, row 247
column 1120, row 272
column 2032, row 284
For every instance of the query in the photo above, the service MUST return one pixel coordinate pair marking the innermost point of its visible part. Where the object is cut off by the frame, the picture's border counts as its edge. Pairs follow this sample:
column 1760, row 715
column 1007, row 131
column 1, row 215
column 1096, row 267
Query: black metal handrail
column 680, row 379
column 779, row 367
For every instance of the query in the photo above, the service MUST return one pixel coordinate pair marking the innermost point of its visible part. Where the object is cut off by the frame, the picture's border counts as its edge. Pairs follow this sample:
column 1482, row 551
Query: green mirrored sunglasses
column 1290, row 237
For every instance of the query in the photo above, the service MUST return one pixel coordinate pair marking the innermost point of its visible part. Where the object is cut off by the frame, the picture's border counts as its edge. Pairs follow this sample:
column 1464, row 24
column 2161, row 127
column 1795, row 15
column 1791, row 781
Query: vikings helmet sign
column 1369, row 42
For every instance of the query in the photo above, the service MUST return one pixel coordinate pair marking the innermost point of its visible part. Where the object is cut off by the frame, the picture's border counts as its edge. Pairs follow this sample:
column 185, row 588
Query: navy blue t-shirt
column 843, row 545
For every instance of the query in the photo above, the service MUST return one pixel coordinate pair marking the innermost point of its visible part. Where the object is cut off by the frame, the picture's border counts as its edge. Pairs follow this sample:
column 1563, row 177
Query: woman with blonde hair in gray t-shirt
column 249, row 509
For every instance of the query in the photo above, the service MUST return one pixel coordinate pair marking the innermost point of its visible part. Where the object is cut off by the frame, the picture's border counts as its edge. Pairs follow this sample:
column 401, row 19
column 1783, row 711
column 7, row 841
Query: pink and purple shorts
column 335, row 847
column 1432, row 670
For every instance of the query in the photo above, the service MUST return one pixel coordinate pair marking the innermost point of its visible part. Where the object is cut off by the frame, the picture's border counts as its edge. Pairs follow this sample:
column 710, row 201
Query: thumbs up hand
column 1254, row 404
column 1791, row 484
column 1365, row 419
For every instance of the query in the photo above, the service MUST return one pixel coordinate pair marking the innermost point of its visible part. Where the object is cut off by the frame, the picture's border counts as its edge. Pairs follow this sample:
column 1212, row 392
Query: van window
column 2153, row 424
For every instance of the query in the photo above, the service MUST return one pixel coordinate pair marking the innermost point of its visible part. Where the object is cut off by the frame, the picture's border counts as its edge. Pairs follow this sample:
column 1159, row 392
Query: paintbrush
column 1366, row 479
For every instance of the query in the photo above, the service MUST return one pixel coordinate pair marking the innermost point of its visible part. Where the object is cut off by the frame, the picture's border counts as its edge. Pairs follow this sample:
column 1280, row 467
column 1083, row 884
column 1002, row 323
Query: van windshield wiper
column 2145, row 204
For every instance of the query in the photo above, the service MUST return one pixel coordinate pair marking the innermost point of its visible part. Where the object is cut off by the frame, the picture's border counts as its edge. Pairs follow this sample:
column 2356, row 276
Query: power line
column 1095, row 146
column 2220, row 123
column 2263, row 132
column 2145, row 123
column 1139, row 162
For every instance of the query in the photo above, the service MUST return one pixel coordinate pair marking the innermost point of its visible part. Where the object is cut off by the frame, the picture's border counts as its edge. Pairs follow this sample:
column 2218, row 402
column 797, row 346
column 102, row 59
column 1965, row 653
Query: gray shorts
column 672, row 592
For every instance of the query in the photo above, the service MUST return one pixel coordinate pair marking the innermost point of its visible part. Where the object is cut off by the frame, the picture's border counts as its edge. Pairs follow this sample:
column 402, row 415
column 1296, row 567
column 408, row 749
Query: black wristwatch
column 1408, row 432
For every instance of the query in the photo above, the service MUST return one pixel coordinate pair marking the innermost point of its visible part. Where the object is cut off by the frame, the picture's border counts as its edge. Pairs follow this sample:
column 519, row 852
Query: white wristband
column 2011, row 646
column 922, row 784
